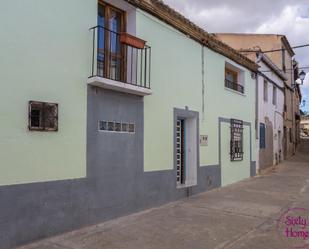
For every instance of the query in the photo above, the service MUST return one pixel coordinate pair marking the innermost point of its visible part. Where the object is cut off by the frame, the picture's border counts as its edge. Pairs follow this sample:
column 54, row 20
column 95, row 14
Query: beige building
column 248, row 44
column 304, row 126
column 304, row 123
column 297, row 102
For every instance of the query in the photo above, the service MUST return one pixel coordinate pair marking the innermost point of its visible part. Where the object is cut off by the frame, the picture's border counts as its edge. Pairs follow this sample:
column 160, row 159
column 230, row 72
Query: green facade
column 176, row 82
column 52, row 182
column 62, row 67
column 45, row 56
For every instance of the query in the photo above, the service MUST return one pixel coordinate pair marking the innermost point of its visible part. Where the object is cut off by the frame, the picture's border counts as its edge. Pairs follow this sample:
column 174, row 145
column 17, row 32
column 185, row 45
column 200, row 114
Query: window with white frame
column 234, row 78
column 265, row 90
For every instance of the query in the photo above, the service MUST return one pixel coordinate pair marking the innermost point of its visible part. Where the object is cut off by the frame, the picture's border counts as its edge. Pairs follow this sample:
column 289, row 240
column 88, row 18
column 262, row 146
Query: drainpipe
column 256, row 106
column 203, row 82
column 293, row 114
column 258, row 60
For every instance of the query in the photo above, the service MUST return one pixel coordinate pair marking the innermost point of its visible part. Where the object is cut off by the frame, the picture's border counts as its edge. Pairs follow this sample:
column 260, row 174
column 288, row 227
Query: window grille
column 43, row 116
column 236, row 143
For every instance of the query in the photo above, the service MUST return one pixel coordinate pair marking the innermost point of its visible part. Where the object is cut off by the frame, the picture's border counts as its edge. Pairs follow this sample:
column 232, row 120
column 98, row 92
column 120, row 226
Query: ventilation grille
column 117, row 127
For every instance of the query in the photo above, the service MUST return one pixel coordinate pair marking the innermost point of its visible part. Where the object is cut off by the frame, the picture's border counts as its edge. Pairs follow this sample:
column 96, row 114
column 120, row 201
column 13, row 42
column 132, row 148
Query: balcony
column 234, row 86
column 120, row 62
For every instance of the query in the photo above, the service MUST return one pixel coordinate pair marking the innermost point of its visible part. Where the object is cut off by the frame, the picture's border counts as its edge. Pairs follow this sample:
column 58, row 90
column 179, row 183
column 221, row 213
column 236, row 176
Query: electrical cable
column 274, row 50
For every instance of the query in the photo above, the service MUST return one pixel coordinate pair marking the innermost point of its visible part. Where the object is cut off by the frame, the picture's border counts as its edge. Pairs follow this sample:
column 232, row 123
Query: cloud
column 291, row 23
column 287, row 17
column 232, row 16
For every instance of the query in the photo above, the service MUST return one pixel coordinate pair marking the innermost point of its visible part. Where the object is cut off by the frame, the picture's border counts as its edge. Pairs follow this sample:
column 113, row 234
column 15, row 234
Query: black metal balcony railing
column 117, row 61
column 234, row 86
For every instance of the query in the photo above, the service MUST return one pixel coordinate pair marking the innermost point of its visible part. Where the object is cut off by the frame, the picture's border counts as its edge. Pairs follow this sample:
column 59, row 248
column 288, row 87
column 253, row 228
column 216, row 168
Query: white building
column 270, row 110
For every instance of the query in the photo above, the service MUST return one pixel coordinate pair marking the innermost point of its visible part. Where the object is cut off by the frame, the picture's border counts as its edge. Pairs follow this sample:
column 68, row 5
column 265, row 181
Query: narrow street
column 243, row 215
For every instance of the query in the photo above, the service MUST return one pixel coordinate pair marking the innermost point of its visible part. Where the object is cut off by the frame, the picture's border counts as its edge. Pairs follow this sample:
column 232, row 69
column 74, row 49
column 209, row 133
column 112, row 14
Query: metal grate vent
column 42, row 116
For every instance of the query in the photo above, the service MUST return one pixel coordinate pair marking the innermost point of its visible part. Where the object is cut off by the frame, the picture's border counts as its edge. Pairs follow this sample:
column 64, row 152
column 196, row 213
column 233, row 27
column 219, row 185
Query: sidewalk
column 240, row 216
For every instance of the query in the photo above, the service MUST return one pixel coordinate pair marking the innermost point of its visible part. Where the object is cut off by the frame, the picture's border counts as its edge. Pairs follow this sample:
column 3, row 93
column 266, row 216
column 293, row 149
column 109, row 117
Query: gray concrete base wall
column 253, row 169
column 116, row 184
column 35, row 211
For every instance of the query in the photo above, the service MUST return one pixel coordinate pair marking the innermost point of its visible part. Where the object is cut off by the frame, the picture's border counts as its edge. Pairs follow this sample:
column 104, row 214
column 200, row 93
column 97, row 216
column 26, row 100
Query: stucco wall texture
column 270, row 113
column 45, row 56
column 180, row 87
column 116, row 183
column 57, row 183
column 269, row 42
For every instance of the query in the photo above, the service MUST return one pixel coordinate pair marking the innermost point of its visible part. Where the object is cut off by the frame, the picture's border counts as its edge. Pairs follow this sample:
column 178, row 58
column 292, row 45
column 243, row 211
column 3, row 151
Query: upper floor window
column 118, row 55
column 274, row 95
column 234, row 78
column 265, row 90
column 262, row 136
column 111, row 56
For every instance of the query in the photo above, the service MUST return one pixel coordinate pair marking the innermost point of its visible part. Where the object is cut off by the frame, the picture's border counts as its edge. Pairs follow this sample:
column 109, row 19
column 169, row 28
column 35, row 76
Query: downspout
column 257, row 125
column 258, row 60
column 203, row 83
column 293, row 115
column 256, row 106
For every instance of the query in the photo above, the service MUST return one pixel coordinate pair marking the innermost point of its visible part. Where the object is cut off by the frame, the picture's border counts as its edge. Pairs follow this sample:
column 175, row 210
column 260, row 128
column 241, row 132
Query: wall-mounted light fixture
column 302, row 77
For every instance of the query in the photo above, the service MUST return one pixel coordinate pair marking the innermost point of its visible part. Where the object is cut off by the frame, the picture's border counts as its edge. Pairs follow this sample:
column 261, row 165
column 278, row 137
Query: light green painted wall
column 176, row 81
column 45, row 49
column 234, row 171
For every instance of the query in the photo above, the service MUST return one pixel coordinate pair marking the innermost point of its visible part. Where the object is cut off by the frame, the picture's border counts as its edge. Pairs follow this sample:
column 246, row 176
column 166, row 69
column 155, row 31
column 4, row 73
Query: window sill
column 187, row 185
column 234, row 91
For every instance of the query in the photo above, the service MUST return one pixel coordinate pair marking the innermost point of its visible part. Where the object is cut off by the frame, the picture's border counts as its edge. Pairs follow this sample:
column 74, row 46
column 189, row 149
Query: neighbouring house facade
column 270, row 110
column 297, row 102
column 283, row 59
column 270, row 113
column 112, row 108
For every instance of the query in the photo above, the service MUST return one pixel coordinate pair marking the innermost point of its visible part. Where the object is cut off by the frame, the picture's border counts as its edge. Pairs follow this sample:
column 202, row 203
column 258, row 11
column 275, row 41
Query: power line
column 282, row 49
column 274, row 50
column 307, row 67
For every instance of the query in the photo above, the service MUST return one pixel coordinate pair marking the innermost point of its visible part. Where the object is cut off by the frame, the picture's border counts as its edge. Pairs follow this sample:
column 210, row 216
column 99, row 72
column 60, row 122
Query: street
column 241, row 216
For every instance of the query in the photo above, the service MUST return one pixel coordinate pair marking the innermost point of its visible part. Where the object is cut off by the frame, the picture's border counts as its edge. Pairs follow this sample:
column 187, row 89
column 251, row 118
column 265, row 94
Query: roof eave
column 274, row 68
column 173, row 18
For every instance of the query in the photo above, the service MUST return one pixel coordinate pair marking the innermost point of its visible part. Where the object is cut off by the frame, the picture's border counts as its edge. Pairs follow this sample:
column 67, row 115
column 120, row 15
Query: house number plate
column 203, row 140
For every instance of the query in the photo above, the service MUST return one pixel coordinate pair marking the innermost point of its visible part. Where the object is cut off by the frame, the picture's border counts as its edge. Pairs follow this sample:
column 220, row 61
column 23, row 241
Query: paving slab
column 244, row 215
